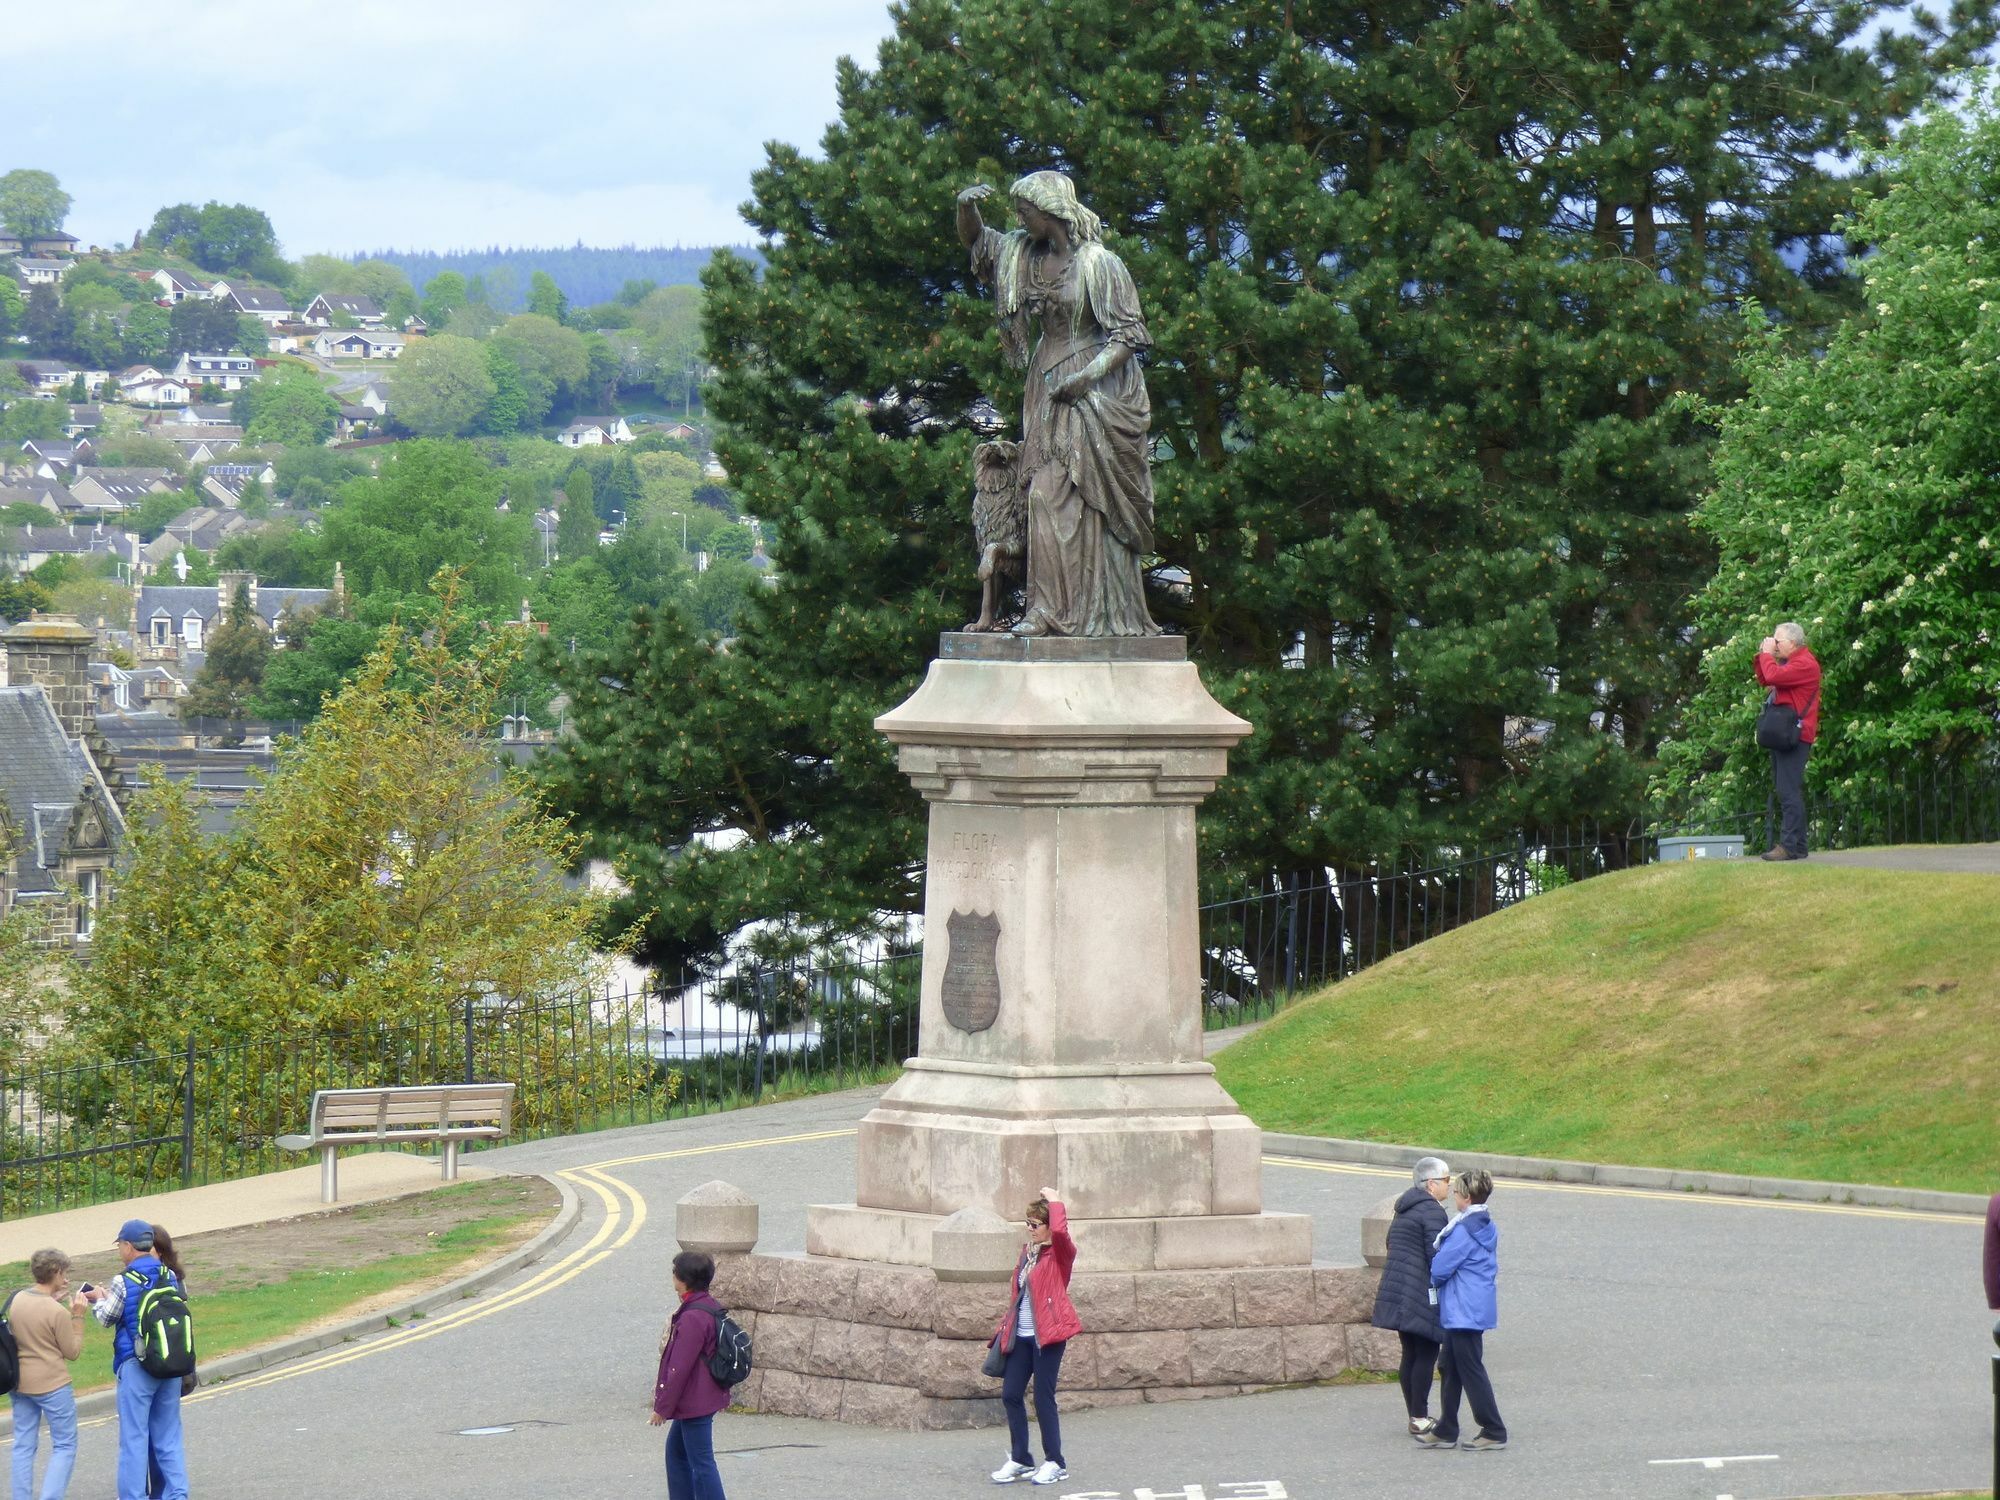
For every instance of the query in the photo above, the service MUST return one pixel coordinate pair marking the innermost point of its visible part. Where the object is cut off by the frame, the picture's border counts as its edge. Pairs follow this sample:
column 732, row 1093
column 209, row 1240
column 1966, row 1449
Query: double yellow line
column 624, row 1217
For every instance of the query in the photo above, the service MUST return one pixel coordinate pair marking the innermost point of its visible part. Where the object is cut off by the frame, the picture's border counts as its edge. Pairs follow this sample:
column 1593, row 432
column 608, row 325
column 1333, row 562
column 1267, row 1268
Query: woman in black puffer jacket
column 1404, row 1301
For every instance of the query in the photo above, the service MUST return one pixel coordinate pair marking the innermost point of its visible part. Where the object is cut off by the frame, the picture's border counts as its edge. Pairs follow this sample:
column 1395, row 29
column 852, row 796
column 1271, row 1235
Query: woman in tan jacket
column 48, row 1328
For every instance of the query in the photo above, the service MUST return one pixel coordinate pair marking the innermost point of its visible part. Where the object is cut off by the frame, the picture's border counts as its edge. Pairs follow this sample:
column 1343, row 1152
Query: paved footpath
column 1943, row 859
column 1652, row 1345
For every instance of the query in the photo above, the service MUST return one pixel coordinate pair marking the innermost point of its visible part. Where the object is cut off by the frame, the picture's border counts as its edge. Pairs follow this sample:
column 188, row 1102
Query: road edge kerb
column 1595, row 1174
column 248, row 1361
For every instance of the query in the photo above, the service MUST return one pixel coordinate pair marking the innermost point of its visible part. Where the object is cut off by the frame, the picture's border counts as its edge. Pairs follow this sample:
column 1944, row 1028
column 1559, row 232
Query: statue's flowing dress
column 1083, row 464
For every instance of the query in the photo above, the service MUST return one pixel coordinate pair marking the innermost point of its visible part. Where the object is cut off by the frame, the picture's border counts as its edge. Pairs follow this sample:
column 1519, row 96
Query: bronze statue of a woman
column 1085, row 421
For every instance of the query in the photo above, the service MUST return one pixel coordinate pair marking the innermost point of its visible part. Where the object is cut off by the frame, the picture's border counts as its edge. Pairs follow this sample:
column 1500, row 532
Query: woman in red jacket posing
column 685, row 1393
column 1038, row 1326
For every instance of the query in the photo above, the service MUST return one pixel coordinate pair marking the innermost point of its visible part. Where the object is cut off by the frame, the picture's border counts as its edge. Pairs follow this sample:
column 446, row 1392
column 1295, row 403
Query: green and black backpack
column 165, row 1342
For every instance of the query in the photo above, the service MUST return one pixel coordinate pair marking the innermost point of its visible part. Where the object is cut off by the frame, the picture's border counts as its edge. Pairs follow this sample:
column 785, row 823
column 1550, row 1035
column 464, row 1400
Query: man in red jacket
column 1792, row 674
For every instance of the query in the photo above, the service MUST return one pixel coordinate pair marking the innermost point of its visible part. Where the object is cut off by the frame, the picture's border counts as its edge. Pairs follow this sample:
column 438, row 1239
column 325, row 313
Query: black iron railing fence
column 87, row 1130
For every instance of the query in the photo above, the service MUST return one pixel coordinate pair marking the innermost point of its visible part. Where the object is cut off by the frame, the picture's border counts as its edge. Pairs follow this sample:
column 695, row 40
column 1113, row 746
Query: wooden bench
column 448, row 1113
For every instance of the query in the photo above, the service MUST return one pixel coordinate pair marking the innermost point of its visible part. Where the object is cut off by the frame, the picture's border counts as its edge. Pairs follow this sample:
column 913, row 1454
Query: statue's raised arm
column 1069, row 314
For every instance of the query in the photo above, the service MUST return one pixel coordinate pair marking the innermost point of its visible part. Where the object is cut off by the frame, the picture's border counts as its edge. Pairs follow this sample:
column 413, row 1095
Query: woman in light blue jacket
column 1466, row 1272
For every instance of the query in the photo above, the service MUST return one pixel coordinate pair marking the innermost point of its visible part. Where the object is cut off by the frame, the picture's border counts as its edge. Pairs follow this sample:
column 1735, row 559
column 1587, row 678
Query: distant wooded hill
column 586, row 273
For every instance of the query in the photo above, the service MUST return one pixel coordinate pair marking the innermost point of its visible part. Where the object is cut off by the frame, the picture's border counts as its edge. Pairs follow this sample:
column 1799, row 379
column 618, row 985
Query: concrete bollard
column 718, row 1219
column 1375, row 1231
column 975, row 1245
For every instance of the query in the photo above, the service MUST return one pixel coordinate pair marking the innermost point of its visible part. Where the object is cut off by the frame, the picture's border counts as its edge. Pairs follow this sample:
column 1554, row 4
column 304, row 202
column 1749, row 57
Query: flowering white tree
column 1858, row 492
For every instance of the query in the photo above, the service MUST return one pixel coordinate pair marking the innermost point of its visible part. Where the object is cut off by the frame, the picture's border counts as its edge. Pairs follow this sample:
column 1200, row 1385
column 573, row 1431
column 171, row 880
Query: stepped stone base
column 894, row 1346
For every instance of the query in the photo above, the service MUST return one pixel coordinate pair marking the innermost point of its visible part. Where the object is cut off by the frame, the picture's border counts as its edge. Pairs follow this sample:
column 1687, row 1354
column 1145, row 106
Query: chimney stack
column 54, row 650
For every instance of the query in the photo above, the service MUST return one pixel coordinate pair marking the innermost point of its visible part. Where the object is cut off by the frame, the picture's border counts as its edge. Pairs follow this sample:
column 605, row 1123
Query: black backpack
column 165, row 1339
column 729, row 1363
column 10, row 1351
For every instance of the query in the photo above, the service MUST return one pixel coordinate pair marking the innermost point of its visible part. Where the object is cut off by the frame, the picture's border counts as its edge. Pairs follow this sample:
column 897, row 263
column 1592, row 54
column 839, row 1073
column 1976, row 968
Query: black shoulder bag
column 1779, row 725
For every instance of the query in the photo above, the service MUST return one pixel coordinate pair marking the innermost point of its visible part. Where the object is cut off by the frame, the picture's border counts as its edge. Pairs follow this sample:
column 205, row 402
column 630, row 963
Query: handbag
column 995, row 1364
column 1779, row 725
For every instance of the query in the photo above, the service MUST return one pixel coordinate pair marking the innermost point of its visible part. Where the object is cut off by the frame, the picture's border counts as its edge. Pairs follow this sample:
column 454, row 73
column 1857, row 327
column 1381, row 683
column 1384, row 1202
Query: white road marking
column 1716, row 1463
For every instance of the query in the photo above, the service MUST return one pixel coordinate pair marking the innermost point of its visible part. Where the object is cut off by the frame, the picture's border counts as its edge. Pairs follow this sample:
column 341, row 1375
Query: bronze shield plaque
column 971, row 988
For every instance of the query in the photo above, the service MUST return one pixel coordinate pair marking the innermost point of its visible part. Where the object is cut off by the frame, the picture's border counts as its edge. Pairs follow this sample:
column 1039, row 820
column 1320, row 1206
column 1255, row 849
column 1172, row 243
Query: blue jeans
column 149, row 1421
column 58, row 1407
column 1044, row 1363
column 691, row 1471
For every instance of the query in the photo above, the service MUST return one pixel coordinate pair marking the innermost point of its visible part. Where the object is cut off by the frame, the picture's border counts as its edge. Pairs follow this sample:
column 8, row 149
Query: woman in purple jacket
column 686, row 1394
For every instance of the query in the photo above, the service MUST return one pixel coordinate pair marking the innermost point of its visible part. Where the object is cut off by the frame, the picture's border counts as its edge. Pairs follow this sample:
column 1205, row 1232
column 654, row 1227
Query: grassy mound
column 1840, row 1024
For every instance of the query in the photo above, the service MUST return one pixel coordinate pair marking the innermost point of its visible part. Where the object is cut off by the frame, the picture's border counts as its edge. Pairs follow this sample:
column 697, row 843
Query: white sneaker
column 1010, row 1471
column 1050, row 1473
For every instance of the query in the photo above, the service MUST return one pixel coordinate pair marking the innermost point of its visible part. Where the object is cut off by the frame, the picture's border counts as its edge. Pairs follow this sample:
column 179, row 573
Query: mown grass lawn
column 240, row 1304
column 1813, row 1021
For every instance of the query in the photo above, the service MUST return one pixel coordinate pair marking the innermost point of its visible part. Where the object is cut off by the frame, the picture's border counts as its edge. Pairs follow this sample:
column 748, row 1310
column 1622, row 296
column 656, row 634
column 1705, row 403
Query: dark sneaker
column 1432, row 1440
column 1485, row 1444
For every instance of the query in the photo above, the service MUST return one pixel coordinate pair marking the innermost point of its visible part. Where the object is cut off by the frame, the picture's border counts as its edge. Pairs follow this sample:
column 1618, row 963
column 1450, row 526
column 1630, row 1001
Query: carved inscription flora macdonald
column 973, row 857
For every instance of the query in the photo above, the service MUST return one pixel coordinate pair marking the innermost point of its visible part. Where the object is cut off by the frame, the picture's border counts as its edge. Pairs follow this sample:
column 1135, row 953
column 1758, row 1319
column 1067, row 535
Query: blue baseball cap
column 137, row 1233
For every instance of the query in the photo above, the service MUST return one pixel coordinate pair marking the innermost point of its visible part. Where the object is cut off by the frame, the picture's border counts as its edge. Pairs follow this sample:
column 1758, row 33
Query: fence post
column 187, row 1116
column 468, row 1041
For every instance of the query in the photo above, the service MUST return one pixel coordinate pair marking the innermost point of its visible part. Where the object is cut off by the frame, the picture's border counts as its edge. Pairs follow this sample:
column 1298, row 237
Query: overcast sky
column 424, row 124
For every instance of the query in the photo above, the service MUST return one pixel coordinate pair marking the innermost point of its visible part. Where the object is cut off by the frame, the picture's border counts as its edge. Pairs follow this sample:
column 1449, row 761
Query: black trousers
column 1044, row 1362
column 1420, row 1358
column 1465, row 1371
column 1788, row 777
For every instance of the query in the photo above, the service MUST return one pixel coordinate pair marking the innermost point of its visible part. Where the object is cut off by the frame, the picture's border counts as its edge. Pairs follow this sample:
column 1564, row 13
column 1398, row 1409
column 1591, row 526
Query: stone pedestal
column 1061, row 1044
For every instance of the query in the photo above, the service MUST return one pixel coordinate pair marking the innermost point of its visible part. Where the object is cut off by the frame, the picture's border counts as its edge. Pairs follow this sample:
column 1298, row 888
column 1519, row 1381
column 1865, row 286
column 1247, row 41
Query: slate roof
column 181, row 279
column 129, row 485
column 354, row 305
column 42, row 778
column 209, row 414
column 177, row 601
column 36, row 263
column 37, row 367
column 85, row 416
column 260, row 299
column 18, row 541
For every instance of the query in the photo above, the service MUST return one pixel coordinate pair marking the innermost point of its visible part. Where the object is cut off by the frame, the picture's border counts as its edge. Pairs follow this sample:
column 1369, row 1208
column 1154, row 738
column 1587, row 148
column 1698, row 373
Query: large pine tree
column 1421, row 278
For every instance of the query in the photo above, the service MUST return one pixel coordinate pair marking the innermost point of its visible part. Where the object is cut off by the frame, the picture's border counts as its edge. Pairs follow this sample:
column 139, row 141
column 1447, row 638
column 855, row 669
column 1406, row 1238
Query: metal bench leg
column 329, row 1178
column 451, row 1161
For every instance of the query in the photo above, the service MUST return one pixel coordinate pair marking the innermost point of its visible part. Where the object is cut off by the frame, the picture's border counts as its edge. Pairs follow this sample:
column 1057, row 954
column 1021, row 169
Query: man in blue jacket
column 149, row 1409
column 1466, row 1272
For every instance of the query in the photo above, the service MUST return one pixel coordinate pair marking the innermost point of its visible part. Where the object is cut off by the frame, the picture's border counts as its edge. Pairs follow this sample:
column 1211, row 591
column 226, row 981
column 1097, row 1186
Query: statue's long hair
column 1055, row 195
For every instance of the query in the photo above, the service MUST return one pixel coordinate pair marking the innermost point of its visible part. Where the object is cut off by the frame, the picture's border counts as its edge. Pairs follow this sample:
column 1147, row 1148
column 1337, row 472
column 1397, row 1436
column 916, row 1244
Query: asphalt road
column 1818, row 1350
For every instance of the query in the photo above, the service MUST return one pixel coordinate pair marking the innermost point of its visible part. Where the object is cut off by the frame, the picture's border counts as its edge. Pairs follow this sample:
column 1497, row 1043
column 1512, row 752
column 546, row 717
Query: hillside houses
column 144, row 385
column 33, row 271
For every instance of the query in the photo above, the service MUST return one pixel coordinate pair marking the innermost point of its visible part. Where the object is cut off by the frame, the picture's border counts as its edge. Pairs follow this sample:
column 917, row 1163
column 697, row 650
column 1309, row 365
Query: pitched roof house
column 118, row 489
column 594, row 432
column 56, row 243
column 25, row 548
column 45, row 374
column 60, row 822
column 177, row 286
column 227, row 482
column 265, row 302
column 358, row 343
column 327, row 306
column 173, row 620
column 34, row 271
column 229, row 372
